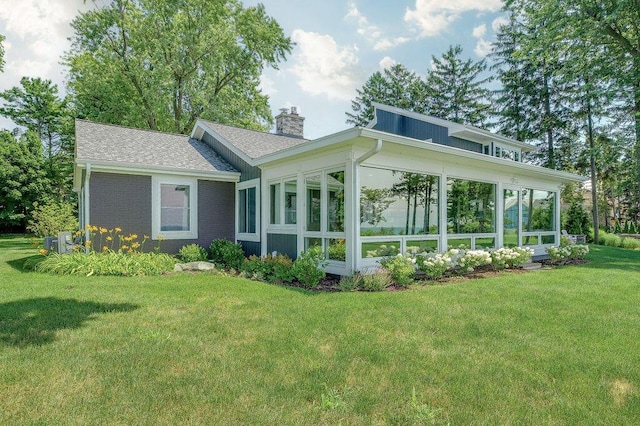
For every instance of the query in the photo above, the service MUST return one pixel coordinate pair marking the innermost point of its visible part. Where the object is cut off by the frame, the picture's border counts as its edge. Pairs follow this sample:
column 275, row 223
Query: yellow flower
column 146, row 237
column 135, row 245
column 105, row 248
column 109, row 238
column 78, row 233
column 124, row 247
column 94, row 228
column 118, row 229
column 88, row 227
column 43, row 252
column 134, row 236
column 160, row 237
column 103, row 230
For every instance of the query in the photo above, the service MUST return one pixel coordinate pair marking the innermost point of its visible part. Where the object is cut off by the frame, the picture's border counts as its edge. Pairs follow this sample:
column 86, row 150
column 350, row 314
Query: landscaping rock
column 194, row 266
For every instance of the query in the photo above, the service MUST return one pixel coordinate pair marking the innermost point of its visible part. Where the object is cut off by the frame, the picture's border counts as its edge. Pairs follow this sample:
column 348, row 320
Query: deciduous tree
column 160, row 64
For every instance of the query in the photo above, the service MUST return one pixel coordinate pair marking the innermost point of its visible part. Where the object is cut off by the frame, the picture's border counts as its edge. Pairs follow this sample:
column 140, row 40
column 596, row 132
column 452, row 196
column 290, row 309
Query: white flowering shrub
column 471, row 259
column 434, row 265
column 572, row 252
column 506, row 257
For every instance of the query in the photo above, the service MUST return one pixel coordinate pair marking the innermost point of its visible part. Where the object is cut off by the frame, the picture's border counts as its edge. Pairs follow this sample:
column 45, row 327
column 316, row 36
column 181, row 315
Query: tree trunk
column 594, row 178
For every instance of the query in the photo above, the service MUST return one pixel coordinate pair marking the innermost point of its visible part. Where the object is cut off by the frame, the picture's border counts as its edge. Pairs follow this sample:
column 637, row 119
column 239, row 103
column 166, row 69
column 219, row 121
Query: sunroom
column 363, row 194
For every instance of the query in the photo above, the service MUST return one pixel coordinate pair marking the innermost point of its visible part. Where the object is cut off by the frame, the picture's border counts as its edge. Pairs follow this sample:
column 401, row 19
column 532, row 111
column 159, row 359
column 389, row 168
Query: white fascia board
column 77, row 177
column 456, row 129
column 476, row 156
column 202, row 127
column 313, row 145
column 110, row 167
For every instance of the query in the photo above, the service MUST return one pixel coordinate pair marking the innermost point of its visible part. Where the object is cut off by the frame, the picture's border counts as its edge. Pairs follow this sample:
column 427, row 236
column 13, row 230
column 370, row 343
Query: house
column 406, row 182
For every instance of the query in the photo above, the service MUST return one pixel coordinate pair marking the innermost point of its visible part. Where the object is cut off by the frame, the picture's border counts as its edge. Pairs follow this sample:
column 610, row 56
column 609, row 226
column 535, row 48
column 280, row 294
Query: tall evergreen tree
column 395, row 86
column 456, row 89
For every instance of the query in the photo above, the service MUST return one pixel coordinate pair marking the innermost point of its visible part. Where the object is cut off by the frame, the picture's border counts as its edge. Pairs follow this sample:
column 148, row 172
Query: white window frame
column 156, row 182
column 248, row 236
column 282, row 225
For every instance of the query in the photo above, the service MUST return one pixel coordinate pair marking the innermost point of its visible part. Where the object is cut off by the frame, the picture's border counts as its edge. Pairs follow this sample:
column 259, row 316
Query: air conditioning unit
column 65, row 242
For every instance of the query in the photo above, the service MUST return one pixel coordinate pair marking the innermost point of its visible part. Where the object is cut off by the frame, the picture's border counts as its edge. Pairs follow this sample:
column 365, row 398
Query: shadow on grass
column 19, row 264
column 33, row 322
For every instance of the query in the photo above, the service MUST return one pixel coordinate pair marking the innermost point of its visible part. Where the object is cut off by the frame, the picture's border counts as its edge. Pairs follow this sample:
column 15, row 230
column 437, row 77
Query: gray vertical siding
column 251, row 247
column 247, row 172
column 125, row 201
column 465, row 144
column 283, row 243
column 410, row 127
column 417, row 129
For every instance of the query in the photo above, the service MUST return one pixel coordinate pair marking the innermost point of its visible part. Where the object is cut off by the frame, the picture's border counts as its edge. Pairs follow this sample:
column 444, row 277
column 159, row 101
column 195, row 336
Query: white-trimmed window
column 248, row 202
column 174, row 203
column 283, row 202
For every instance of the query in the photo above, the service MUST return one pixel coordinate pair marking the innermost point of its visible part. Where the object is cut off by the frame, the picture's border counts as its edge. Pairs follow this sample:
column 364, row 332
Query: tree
column 373, row 203
column 456, row 89
column 37, row 106
column 160, row 64
column 23, row 180
column 1, row 53
column 395, row 86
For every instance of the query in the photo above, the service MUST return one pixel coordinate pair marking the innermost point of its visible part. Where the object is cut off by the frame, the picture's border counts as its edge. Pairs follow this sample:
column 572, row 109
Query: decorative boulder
column 194, row 266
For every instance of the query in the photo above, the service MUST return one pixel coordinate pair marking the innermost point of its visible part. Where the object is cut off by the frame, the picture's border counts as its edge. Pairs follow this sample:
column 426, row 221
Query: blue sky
column 339, row 44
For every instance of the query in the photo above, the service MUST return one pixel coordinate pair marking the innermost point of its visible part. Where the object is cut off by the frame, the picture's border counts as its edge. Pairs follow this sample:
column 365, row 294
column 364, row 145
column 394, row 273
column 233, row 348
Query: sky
column 339, row 44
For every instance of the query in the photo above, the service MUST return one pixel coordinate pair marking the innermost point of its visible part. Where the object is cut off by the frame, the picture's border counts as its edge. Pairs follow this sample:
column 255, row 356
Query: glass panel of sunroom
column 290, row 197
column 335, row 202
column 274, row 205
column 397, row 203
column 511, row 218
column 314, row 203
column 470, row 207
column 538, row 210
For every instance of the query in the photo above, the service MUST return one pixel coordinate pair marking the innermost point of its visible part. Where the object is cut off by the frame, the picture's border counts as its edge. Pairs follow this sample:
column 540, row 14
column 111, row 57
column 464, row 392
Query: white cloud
column 479, row 31
column 498, row 22
column 432, row 17
column 323, row 67
column 387, row 62
column 29, row 68
column 371, row 32
column 267, row 85
column 483, row 47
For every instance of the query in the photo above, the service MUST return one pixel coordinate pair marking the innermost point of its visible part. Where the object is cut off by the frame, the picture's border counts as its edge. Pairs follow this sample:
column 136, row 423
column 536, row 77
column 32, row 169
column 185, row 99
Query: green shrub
column 273, row 269
column 616, row 228
column 506, row 257
column 107, row 263
column 577, row 219
column 627, row 227
column 307, row 267
column 612, row 240
column 630, row 243
column 350, row 282
column 378, row 281
column 402, row 269
column 192, row 253
column 226, row 254
column 632, row 228
column 51, row 218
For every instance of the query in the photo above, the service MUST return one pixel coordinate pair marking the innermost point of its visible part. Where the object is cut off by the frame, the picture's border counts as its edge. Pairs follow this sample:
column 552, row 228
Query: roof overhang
column 142, row 169
column 201, row 127
column 457, row 154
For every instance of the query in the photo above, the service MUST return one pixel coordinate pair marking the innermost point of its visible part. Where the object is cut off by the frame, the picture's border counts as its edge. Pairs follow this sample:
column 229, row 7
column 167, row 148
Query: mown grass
column 555, row 346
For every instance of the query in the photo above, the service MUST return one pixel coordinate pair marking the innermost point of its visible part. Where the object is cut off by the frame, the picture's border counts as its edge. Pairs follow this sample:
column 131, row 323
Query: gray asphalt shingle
column 117, row 144
column 253, row 143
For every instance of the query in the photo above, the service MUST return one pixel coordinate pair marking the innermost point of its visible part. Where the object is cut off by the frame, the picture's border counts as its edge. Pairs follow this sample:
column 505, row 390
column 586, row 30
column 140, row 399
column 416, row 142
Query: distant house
column 406, row 182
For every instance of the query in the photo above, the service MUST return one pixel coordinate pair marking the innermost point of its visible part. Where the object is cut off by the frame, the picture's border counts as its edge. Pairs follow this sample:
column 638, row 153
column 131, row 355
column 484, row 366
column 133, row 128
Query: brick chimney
column 290, row 123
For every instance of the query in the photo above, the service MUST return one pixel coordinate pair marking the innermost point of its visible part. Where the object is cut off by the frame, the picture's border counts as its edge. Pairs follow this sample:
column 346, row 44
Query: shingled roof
column 105, row 143
column 254, row 144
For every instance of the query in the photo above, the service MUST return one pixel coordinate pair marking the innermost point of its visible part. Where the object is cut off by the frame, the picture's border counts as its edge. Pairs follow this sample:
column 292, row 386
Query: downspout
column 356, row 202
column 85, row 205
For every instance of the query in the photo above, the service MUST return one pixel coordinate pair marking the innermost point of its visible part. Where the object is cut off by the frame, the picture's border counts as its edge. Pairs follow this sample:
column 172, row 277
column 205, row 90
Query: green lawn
column 558, row 347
